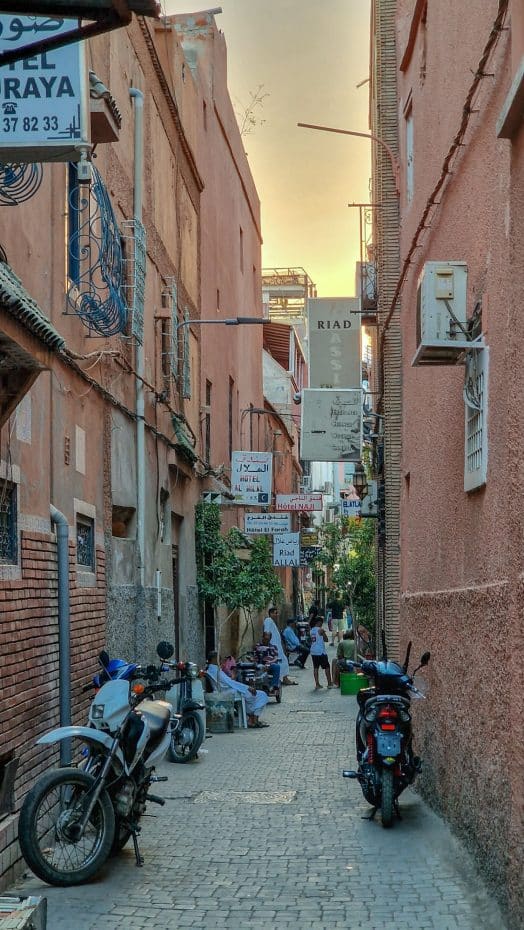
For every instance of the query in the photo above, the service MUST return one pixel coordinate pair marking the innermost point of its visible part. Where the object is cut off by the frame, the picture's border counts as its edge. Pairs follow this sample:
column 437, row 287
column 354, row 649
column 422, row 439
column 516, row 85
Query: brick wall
column 29, row 667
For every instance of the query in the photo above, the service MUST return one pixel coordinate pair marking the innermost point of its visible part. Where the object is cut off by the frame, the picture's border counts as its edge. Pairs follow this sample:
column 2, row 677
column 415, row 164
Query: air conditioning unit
column 327, row 488
column 442, row 325
column 305, row 484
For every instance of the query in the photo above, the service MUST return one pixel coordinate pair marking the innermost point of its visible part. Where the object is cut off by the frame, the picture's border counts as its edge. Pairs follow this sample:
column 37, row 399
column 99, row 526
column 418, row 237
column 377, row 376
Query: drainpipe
column 64, row 653
column 138, row 102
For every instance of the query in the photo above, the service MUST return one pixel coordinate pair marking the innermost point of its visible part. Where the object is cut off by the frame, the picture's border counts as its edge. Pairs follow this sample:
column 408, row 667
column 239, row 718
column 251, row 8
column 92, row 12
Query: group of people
column 275, row 649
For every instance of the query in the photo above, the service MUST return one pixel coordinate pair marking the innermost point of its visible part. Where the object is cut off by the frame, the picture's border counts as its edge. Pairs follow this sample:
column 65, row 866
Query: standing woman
column 271, row 627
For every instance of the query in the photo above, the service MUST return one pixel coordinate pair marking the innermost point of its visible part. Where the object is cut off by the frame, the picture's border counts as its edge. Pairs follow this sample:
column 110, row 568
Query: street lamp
column 230, row 321
column 395, row 166
column 359, row 480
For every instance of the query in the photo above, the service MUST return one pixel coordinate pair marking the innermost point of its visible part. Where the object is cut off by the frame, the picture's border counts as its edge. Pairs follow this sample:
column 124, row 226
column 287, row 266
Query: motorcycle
column 254, row 675
column 187, row 726
column 384, row 739
column 74, row 818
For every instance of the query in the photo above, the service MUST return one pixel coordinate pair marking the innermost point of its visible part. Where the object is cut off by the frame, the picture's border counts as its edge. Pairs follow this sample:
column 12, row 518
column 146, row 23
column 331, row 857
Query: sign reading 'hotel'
column 334, row 342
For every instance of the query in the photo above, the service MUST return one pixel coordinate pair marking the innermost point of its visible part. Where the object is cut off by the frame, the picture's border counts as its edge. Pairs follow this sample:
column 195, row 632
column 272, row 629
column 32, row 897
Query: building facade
column 459, row 78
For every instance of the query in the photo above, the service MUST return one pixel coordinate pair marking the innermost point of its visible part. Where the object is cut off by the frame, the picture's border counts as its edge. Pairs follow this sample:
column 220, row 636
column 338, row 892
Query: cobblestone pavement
column 262, row 832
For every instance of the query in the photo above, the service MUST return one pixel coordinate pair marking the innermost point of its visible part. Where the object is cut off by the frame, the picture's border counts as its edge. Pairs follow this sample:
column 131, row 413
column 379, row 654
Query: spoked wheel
column 50, row 838
column 386, row 806
column 186, row 739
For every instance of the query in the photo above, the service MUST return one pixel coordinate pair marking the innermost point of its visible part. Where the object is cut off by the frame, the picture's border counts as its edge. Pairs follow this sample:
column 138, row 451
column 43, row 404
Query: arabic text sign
column 304, row 503
column 265, row 524
column 351, row 508
column 331, row 425
column 43, row 102
column 308, row 554
column 334, row 342
column 251, row 477
column 286, row 549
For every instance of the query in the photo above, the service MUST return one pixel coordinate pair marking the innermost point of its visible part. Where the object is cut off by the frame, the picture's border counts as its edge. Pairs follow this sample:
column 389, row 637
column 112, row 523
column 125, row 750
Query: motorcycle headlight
column 97, row 711
column 192, row 670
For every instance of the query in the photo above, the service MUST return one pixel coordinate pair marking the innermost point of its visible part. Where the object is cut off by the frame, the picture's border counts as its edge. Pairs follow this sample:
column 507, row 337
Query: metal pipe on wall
column 64, row 629
column 138, row 102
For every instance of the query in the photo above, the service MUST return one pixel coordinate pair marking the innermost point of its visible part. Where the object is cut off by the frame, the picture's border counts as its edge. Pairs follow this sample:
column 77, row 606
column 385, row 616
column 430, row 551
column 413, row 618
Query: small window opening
column 8, row 523
column 85, row 542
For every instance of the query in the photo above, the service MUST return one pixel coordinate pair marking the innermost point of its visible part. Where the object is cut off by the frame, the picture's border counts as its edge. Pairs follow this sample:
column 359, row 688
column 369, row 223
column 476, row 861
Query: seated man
column 345, row 650
column 255, row 700
column 267, row 655
column 293, row 644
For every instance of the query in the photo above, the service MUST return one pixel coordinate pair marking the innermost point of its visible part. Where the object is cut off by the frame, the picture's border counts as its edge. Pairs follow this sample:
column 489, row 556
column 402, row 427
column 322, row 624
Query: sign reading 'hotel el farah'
column 334, row 342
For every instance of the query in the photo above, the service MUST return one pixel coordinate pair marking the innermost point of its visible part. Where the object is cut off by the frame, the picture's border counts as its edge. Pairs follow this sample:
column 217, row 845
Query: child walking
column 318, row 652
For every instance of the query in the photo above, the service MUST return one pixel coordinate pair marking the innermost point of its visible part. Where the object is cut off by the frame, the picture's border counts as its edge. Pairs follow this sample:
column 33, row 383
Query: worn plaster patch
column 246, row 797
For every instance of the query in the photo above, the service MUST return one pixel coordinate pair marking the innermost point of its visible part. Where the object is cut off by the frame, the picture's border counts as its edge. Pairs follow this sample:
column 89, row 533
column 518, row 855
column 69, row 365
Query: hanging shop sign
column 266, row 524
column 286, row 549
column 308, row 554
column 251, row 474
column 331, row 425
column 350, row 507
column 304, row 503
column 43, row 99
column 334, row 342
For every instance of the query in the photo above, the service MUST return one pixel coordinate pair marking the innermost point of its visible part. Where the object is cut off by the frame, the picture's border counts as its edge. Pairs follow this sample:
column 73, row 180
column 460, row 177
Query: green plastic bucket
column 352, row 682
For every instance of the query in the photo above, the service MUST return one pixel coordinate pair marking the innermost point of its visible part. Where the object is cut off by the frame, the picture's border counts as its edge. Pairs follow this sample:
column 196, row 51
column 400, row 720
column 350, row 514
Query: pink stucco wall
column 462, row 565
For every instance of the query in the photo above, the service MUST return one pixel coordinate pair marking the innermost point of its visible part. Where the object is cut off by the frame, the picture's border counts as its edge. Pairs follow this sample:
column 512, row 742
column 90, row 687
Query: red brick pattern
column 29, row 666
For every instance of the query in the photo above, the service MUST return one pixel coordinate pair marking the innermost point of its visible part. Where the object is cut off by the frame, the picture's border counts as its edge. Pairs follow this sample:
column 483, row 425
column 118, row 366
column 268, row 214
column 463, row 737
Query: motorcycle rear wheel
column 49, row 813
column 180, row 750
column 386, row 803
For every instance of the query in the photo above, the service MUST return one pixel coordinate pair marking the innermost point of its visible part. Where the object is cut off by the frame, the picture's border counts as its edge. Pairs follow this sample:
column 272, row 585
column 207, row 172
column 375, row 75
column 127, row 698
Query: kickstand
column 138, row 856
column 370, row 816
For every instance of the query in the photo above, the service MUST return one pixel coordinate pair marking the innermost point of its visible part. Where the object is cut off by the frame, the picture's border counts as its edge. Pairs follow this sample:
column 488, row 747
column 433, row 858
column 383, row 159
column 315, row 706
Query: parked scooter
column 75, row 817
column 187, row 723
column 254, row 675
column 386, row 763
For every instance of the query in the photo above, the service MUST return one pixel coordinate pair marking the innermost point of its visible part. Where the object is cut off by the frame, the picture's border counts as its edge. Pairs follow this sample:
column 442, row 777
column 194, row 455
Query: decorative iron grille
column 18, row 183
column 135, row 257
column 85, row 543
column 96, row 294
column 8, row 523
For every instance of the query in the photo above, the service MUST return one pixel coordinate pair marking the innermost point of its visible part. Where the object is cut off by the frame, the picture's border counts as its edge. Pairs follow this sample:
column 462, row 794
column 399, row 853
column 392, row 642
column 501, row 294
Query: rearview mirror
column 425, row 659
column 165, row 650
column 103, row 658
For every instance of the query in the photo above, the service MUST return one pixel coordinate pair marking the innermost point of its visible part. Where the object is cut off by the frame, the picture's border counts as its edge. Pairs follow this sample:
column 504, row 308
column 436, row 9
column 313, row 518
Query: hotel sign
column 331, row 426
column 251, row 477
column 303, row 503
column 265, row 524
column 43, row 98
column 334, row 342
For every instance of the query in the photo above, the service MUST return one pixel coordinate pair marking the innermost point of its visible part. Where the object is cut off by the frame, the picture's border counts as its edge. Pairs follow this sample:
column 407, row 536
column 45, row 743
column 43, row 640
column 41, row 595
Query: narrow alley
column 263, row 832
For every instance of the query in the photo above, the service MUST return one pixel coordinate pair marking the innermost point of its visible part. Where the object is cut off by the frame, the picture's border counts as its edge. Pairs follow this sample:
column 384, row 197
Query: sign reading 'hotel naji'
column 334, row 342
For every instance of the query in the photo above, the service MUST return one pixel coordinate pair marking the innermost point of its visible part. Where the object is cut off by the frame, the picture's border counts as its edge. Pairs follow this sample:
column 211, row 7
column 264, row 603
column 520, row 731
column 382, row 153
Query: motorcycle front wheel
column 386, row 804
column 47, row 828
column 186, row 739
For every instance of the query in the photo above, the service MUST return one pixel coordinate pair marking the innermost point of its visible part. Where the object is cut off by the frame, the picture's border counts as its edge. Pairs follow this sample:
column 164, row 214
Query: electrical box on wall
column 442, row 325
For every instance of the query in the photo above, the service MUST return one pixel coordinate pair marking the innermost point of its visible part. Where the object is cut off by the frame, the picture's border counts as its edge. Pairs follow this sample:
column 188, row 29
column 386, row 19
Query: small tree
column 223, row 578
column 348, row 551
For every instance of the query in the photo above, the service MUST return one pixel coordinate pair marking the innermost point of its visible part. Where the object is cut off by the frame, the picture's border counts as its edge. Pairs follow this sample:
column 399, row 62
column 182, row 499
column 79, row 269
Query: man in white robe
column 271, row 627
column 255, row 700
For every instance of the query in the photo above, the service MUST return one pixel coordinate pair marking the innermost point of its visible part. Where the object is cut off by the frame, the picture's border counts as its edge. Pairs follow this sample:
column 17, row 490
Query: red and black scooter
column 386, row 763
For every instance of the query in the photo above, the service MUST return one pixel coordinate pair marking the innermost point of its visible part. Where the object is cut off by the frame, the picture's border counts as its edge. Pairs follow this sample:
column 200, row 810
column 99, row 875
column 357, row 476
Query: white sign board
column 251, row 475
column 331, row 426
column 43, row 99
column 350, row 507
column 286, row 549
column 304, row 503
column 334, row 342
column 265, row 524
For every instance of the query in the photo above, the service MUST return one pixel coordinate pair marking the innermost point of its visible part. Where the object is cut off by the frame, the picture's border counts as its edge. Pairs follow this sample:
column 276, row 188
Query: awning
column 18, row 366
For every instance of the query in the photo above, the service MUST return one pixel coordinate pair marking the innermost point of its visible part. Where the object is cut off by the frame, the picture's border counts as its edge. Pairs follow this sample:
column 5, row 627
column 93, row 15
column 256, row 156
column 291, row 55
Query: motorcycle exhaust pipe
column 349, row 773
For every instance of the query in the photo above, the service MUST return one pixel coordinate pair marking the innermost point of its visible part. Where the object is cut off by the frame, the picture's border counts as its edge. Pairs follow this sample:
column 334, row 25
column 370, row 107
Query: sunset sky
column 307, row 57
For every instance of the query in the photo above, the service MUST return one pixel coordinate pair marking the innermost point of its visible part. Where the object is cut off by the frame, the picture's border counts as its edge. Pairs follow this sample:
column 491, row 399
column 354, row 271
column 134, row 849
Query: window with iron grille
column 8, row 523
column 85, row 543
column 476, row 427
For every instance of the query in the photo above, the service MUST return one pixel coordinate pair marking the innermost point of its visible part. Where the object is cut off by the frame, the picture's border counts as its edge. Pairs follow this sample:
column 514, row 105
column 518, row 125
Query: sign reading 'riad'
column 286, row 549
column 334, row 342
column 43, row 98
